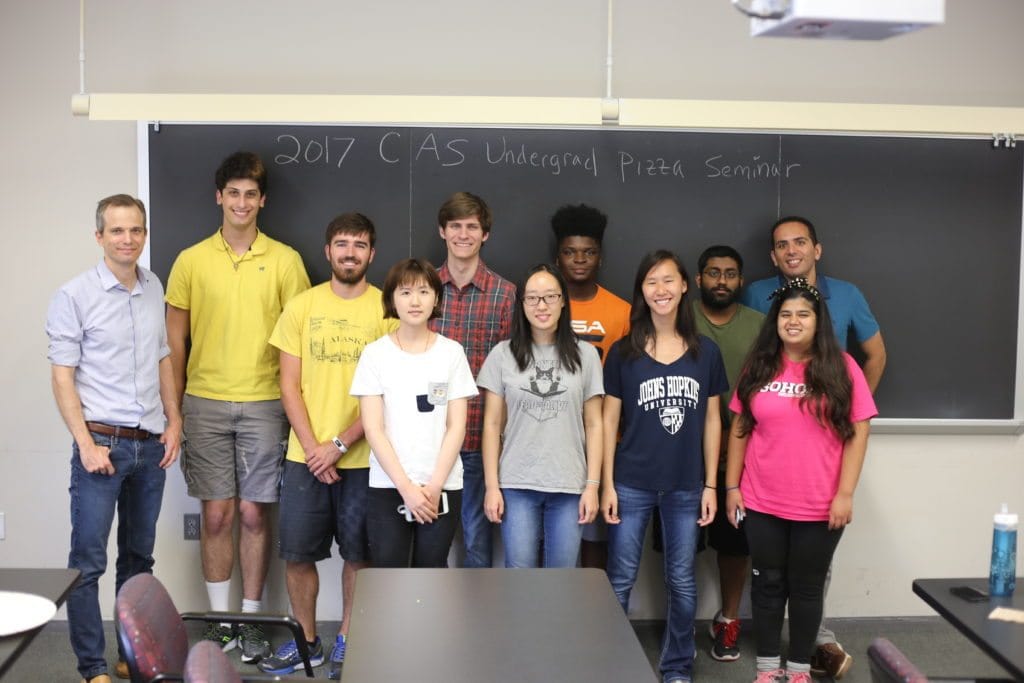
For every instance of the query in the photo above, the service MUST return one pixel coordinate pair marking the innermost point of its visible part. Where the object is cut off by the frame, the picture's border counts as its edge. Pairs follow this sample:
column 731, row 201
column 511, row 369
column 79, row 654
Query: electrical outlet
column 3, row 526
column 191, row 526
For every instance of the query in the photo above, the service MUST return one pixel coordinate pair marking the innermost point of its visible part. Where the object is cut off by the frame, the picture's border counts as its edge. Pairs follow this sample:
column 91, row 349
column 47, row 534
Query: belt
column 121, row 432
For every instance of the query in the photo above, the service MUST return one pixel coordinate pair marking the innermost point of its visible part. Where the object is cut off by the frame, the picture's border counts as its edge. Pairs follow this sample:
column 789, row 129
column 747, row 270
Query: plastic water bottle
column 1003, row 570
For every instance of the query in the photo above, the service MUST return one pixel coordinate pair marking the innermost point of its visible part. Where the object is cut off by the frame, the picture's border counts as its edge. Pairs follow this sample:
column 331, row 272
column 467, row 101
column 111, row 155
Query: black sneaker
column 222, row 635
column 253, row 643
column 287, row 660
column 726, row 636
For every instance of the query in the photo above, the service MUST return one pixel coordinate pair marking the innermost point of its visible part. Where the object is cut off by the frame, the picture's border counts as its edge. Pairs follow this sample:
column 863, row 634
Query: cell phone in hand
column 442, row 508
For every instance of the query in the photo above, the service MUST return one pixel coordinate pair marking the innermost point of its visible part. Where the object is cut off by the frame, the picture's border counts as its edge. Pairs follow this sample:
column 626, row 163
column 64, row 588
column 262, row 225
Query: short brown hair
column 464, row 205
column 121, row 200
column 406, row 272
column 351, row 223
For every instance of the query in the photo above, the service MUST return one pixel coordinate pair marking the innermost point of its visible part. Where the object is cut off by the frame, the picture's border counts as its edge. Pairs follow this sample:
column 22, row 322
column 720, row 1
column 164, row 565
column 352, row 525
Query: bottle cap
column 1005, row 517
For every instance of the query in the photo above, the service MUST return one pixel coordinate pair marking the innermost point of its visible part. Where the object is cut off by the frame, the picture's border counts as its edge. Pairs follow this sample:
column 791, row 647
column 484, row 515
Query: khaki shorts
column 233, row 450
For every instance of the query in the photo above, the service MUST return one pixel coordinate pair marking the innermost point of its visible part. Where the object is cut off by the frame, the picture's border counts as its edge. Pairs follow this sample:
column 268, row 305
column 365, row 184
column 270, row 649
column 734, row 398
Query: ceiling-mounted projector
column 843, row 19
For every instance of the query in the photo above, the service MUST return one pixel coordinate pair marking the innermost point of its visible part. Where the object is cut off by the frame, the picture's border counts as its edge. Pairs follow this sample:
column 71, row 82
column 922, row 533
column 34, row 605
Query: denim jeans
column 476, row 529
column 136, row 490
column 679, row 511
column 536, row 518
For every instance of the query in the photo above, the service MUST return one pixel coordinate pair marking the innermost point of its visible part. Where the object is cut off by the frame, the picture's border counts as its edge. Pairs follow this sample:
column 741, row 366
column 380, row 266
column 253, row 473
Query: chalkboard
column 929, row 229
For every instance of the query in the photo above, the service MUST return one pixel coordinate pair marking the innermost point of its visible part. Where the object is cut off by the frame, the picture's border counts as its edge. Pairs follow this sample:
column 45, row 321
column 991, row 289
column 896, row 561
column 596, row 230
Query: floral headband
column 796, row 283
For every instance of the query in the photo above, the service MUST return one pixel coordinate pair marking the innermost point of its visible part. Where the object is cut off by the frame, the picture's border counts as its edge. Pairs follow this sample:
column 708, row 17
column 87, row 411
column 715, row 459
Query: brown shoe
column 102, row 678
column 121, row 670
column 830, row 659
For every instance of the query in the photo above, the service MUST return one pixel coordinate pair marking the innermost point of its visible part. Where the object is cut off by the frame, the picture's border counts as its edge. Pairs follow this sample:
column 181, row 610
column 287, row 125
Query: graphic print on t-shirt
column 785, row 389
column 437, row 395
column 545, row 383
column 670, row 396
column 336, row 340
column 592, row 332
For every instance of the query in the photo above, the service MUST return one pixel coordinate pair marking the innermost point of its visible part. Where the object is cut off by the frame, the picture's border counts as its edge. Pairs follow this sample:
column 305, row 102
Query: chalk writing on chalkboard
column 504, row 150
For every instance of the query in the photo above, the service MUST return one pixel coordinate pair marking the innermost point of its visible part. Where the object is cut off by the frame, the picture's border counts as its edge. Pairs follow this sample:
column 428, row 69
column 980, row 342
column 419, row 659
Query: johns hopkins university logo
column 671, row 418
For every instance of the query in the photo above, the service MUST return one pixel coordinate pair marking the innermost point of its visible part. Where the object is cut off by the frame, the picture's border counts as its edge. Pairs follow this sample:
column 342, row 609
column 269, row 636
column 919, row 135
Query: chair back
column 889, row 665
column 150, row 630
column 207, row 663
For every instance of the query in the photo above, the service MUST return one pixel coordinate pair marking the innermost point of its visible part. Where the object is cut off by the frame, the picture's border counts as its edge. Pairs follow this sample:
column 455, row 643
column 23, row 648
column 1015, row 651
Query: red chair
column 152, row 634
column 207, row 663
column 889, row 665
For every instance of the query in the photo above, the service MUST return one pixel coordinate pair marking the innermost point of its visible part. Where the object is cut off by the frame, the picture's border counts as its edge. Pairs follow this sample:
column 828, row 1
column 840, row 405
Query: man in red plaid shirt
column 476, row 311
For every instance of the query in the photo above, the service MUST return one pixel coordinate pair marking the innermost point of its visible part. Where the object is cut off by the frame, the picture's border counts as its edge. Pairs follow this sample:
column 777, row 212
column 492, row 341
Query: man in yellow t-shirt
column 224, row 295
column 598, row 316
column 321, row 334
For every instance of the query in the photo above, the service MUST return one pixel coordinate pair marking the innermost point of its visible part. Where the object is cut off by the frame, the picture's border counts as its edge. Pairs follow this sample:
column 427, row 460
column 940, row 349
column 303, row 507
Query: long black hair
column 829, row 388
column 641, row 326
column 521, row 338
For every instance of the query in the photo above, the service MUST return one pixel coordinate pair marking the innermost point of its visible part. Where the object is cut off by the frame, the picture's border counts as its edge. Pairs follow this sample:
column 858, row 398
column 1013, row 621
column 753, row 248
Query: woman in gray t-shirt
column 542, row 428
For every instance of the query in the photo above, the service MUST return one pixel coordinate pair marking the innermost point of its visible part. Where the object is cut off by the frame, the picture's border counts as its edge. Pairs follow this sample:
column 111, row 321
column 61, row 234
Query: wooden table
column 1003, row 641
column 52, row 584
column 495, row 625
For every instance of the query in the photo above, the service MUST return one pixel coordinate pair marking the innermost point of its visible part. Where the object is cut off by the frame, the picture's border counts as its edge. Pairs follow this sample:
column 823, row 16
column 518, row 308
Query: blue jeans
column 136, row 489
column 476, row 529
column 679, row 511
column 533, row 518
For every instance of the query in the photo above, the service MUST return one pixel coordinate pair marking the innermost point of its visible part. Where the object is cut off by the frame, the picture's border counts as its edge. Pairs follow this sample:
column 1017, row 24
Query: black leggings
column 789, row 561
column 395, row 542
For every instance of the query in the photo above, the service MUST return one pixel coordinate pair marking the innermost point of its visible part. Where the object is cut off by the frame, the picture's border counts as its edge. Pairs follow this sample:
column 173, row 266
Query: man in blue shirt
column 795, row 252
column 112, row 379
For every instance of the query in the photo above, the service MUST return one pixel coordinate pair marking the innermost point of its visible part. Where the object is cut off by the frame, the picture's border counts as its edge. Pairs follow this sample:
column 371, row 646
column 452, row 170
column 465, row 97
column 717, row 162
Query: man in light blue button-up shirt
column 112, row 378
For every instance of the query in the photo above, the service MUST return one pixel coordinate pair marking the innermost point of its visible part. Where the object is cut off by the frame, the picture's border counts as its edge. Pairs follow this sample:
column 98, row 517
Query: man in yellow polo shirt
column 225, row 295
column 321, row 335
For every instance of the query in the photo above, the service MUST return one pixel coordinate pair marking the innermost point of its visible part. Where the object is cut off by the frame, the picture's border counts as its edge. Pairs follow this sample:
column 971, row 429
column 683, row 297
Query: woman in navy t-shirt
column 662, row 386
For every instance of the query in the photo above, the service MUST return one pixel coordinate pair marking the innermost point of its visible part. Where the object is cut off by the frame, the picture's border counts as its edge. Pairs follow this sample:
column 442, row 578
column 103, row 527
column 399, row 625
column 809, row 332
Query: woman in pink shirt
column 795, row 453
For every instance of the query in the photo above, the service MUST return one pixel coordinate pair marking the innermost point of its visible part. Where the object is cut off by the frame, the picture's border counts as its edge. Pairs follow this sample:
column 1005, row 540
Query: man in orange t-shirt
column 598, row 316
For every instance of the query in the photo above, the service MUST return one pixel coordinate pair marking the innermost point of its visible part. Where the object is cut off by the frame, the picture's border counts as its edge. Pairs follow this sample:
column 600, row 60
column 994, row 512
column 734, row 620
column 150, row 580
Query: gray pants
column 825, row 635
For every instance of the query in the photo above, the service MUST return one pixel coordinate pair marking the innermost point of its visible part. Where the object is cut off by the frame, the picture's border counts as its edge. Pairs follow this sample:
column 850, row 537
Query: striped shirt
column 478, row 316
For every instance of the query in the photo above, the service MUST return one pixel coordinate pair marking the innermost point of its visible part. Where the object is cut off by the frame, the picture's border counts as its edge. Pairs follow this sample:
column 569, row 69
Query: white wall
column 925, row 503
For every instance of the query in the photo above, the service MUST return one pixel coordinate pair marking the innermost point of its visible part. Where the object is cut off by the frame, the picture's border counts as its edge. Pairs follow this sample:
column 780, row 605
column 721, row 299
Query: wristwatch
column 341, row 445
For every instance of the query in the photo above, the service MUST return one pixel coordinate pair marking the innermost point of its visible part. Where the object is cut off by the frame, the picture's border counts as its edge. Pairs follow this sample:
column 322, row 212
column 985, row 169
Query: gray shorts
column 233, row 450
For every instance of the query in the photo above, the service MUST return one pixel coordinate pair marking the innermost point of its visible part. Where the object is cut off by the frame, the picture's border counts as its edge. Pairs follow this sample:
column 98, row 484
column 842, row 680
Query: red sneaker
column 726, row 635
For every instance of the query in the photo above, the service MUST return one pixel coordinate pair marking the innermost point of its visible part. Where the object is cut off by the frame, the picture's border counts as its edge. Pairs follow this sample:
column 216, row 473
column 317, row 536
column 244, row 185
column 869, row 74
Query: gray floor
column 932, row 644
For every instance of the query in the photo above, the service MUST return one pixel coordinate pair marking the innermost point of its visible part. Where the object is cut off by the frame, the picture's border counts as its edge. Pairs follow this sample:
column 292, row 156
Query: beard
column 349, row 275
column 716, row 301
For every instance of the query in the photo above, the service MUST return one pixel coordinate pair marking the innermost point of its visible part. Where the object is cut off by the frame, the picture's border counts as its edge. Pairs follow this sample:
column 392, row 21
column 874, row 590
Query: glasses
column 717, row 274
column 532, row 300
